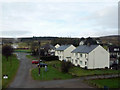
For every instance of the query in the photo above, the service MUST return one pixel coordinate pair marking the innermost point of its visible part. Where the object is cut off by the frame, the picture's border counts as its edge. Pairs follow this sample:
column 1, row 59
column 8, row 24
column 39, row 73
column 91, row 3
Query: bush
column 65, row 66
column 7, row 51
column 49, row 58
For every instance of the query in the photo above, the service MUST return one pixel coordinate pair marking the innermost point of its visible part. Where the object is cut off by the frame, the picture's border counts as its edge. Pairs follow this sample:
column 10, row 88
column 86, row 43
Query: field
column 110, row 83
column 9, row 69
column 23, row 50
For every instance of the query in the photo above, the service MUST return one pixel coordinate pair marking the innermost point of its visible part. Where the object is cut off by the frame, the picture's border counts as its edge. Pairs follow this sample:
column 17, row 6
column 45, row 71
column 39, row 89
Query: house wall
column 79, row 59
column 57, row 46
column 67, row 52
column 64, row 54
column 98, row 58
column 60, row 54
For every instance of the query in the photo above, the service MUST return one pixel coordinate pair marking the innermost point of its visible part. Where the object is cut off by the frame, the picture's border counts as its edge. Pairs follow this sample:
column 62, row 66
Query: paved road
column 23, row 78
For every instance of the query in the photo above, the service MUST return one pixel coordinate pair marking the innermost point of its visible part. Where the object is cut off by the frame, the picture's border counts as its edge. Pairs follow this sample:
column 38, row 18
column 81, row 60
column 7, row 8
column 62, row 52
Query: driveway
column 23, row 78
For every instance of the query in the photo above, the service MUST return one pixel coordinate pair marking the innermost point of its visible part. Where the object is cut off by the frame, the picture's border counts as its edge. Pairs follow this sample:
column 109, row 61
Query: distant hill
column 114, row 39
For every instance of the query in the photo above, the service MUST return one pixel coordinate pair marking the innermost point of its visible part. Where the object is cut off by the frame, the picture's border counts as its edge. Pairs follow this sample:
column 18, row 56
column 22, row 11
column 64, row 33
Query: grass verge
column 100, row 83
column 9, row 69
column 32, row 57
column 82, row 72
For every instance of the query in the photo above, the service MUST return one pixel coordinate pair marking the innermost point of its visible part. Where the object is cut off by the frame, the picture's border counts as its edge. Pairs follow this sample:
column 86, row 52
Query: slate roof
column 84, row 49
column 48, row 46
column 62, row 47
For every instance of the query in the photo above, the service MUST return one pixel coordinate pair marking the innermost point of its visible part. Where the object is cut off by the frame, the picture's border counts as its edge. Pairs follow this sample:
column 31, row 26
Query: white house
column 57, row 46
column 91, row 57
column 82, row 42
column 64, row 52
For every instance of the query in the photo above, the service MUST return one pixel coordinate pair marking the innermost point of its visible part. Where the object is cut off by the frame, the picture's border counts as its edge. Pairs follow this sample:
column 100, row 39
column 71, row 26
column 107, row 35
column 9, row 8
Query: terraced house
column 90, row 57
column 64, row 52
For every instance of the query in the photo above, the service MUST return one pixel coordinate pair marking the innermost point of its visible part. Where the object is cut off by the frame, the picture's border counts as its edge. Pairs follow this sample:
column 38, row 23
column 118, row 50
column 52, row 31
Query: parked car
column 35, row 61
column 42, row 65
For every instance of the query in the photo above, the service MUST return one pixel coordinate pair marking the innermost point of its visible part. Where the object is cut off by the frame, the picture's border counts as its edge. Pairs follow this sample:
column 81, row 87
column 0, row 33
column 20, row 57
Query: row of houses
column 85, row 56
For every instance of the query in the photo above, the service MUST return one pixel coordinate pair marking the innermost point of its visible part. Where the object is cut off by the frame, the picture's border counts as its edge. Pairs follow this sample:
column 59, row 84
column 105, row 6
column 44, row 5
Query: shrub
column 65, row 66
column 49, row 58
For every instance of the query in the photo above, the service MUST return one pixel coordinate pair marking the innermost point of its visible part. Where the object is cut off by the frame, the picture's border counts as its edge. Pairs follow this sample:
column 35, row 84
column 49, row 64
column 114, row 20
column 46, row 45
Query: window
column 76, row 61
column 81, row 62
column 76, row 54
column 85, row 63
column 80, row 55
column 116, row 49
column 72, row 60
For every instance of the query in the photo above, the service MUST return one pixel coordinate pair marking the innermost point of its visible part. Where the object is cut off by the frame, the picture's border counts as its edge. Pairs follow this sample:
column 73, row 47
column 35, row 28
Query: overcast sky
column 72, row 18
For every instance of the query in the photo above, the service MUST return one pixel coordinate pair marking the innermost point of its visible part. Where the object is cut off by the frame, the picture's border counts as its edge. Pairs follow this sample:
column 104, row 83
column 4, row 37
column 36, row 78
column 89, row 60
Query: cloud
column 14, row 33
column 59, row 1
column 108, row 17
column 60, row 19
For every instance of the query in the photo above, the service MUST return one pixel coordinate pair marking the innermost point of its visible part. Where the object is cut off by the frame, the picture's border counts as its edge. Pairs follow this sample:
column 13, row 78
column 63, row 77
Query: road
column 23, row 78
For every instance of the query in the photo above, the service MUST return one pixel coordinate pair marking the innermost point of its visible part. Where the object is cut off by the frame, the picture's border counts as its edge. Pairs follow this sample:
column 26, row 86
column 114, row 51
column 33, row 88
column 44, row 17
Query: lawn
column 110, row 83
column 9, row 69
column 51, row 74
column 23, row 50
column 32, row 57
column 81, row 72
column 77, row 71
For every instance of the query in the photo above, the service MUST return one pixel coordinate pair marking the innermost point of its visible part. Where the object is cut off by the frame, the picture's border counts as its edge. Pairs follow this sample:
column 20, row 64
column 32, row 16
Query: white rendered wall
column 98, row 58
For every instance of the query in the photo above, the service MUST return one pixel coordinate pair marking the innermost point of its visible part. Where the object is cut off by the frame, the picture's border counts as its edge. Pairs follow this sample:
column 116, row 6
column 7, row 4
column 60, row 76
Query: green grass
column 77, row 71
column 22, row 44
column 9, row 69
column 110, row 83
column 51, row 74
column 81, row 72
column 22, row 50
column 32, row 57
column 57, row 63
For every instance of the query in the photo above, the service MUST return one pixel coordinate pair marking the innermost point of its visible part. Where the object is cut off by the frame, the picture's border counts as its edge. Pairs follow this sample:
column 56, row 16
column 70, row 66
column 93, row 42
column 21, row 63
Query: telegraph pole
column 39, row 59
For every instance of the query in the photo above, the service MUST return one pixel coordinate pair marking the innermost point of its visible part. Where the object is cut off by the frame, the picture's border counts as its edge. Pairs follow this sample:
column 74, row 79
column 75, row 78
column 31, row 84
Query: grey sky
column 70, row 18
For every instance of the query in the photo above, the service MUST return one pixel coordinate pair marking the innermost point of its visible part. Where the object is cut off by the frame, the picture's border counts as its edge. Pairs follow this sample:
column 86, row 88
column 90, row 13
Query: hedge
column 49, row 58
